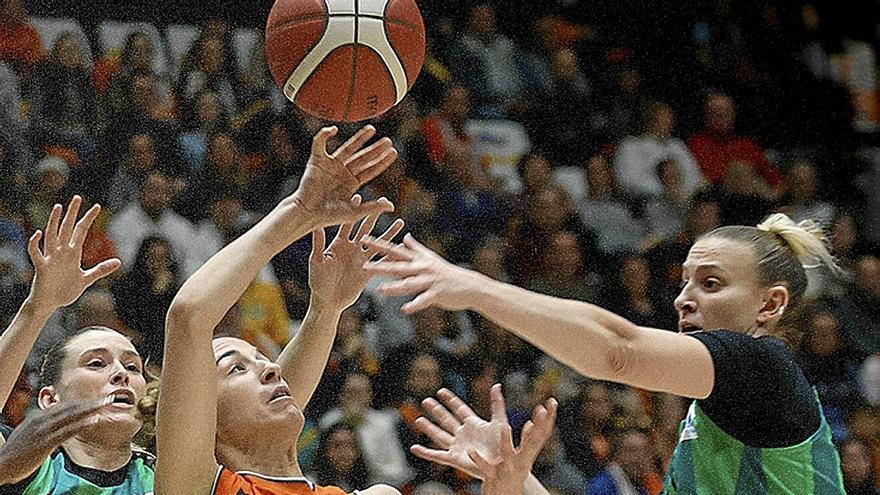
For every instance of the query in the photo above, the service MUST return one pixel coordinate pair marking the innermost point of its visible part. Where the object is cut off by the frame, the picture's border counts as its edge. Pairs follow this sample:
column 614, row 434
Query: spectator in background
column 138, row 161
column 487, row 62
column 340, row 461
column 445, row 133
column 630, row 470
column 801, row 201
column 637, row 157
column 555, row 471
column 208, row 119
column 586, row 427
column 20, row 42
column 869, row 380
column 138, row 54
column 535, row 172
column 864, row 426
column 149, row 214
column 718, row 146
column 12, row 130
column 855, row 462
column 383, row 454
column 564, row 271
column 49, row 183
column 605, row 212
column 665, row 215
column 207, row 69
column 144, row 294
column 624, row 99
column 859, row 309
column 64, row 107
column 636, row 302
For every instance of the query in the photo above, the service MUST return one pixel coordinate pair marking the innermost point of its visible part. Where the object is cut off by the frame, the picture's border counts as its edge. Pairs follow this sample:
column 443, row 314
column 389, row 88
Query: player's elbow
column 621, row 359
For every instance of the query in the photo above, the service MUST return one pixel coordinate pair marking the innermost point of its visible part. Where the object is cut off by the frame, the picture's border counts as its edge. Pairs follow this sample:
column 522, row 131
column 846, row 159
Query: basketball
column 345, row 60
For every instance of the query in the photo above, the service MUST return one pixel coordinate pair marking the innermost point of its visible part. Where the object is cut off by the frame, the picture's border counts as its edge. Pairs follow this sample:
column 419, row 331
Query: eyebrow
column 104, row 350
column 226, row 355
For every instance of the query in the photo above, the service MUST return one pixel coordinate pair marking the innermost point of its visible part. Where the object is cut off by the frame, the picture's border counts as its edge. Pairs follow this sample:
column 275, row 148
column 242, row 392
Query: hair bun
column 806, row 239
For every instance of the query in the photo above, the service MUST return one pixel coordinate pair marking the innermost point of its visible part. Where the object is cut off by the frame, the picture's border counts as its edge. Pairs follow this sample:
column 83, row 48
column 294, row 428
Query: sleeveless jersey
column 248, row 483
column 54, row 478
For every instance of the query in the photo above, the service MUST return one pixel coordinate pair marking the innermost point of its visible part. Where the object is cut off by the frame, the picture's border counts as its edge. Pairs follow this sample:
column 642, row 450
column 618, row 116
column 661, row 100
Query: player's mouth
column 685, row 326
column 280, row 393
column 122, row 398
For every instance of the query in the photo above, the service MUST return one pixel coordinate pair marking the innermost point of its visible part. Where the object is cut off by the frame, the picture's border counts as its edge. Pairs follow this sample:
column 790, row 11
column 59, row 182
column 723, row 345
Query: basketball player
column 755, row 426
column 80, row 438
column 228, row 422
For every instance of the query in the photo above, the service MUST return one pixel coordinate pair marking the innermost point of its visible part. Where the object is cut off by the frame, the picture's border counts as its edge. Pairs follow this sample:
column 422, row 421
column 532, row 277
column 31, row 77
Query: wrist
column 477, row 287
column 35, row 307
column 289, row 221
column 323, row 308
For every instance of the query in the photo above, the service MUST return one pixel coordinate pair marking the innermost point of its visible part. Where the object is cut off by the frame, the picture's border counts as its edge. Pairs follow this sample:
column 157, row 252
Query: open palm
column 59, row 278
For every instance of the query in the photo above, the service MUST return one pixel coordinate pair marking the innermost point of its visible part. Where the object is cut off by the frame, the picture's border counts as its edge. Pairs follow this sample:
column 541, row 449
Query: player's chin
column 285, row 410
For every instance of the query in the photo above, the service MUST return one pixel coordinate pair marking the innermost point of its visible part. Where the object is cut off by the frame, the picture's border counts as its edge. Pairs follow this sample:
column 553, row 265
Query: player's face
column 100, row 364
column 253, row 400
column 720, row 287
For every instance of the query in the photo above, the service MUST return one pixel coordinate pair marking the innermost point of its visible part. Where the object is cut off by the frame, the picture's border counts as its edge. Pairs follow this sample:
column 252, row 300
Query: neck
column 91, row 455
column 276, row 460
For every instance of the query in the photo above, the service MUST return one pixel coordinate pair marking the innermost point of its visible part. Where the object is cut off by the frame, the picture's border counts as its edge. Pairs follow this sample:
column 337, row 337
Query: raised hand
column 330, row 180
column 336, row 273
column 43, row 431
column 421, row 271
column 59, row 278
column 484, row 449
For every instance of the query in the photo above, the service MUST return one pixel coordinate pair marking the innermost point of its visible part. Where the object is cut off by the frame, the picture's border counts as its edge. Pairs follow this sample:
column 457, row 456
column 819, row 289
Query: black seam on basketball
column 293, row 22
column 412, row 27
column 354, row 64
column 357, row 21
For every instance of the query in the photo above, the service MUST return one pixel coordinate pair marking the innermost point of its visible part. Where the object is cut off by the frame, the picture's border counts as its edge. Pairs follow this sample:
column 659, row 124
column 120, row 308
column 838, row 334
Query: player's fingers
column 101, row 270
column 507, row 449
column 390, row 233
column 441, row 414
column 33, row 249
column 359, row 162
column 393, row 269
column 51, row 237
column 319, row 243
column 319, row 142
column 443, row 457
column 66, row 231
column 461, row 410
column 499, row 408
column 377, row 166
column 61, row 415
column 410, row 241
column 355, row 142
column 484, row 466
column 440, row 438
column 365, row 228
column 345, row 229
column 405, row 287
column 421, row 302
column 384, row 247
column 81, row 231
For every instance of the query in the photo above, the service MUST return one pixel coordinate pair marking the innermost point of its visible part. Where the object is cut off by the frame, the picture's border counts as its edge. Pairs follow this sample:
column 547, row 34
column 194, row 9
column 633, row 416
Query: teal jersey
column 709, row 461
column 58, row 476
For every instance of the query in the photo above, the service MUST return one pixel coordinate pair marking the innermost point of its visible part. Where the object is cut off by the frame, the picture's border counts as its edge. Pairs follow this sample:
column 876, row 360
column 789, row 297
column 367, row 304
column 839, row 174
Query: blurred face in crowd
column 143, row 92
column 211, row 55
column 564, row 260
column 208, row 109
column 662, row 120
column 843, row 235
column 597, row 406
column 424, row 376
column 867, row 276
column 482, row 21
column 342, row 450
column 141, row 52
column 155, row 195
column 489, row 259
column 536, row 173
column 565, row 64
column 824, row 334
column 600, row 179
column 52, row 182
column 634, row 455
column 223, row 154
column 253, row 400
column 635, row 275
column 141, row 154
column 720, row 114
column 357, row 392
column 855, row 462
column 225, row 212
column 97, row 364
column 802, row 182
column 68, row 52
column 159, row 257
column 549, row 209
column 670, row 177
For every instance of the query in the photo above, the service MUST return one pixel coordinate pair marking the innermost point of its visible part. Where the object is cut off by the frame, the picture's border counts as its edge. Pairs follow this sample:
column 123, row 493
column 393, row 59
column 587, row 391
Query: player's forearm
column 208, row 294
column 580, row 335
column 17, row 341
column 304, row 358
column 534, row 487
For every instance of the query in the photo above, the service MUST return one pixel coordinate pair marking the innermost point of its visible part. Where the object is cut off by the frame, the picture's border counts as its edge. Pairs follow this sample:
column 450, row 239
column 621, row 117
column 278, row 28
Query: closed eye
column 235, row 368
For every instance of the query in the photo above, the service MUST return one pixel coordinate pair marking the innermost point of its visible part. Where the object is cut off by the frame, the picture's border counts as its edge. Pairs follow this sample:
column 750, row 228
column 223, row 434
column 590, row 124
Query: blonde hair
column 784, row 250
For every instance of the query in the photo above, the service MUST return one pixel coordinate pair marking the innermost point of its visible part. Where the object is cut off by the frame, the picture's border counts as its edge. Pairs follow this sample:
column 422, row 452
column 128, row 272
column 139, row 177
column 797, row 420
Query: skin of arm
column 595, row 342
column 186, row 417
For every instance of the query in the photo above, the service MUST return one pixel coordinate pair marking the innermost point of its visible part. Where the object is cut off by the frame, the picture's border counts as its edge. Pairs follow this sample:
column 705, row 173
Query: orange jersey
column 248, row 483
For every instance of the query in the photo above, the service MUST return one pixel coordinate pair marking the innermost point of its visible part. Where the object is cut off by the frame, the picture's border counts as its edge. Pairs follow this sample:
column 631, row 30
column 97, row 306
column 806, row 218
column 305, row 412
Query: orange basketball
column 345, row 60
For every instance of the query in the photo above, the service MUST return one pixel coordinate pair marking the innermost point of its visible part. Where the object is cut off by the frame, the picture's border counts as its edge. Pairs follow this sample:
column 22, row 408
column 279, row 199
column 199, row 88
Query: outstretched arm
column 186, row 415
column 595, row 342
column 336, row 278
column 59, row 280
column 466, row 441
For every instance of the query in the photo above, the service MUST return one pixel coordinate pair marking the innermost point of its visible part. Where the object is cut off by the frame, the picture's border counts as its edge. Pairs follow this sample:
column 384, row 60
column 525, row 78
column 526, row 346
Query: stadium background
column 535, row 148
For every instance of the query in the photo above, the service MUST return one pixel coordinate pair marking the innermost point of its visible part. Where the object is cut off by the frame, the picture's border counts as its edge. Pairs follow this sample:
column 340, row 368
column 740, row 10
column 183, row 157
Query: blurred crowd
column 634, row 149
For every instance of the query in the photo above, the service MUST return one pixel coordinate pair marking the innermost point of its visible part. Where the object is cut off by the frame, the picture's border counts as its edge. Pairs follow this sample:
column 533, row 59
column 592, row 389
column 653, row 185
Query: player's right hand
column 43, row 431
column 330, row 180
column 59, row 278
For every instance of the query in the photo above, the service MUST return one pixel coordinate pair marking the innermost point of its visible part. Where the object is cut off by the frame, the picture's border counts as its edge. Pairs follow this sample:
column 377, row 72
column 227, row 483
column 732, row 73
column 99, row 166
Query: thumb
column 319, row 242
column 319, row 142
column 101, row 270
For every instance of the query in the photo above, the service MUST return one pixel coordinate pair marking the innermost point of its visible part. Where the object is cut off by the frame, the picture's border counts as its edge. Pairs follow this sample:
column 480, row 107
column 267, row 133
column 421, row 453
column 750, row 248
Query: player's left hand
column 330, row 180
column 336, row 273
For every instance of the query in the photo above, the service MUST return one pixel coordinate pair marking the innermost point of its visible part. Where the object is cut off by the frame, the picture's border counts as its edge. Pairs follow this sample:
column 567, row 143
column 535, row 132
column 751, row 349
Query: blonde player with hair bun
column 755, row 425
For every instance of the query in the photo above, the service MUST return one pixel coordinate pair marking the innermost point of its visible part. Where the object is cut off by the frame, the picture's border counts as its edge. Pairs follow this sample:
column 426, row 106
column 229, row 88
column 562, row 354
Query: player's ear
column 775, row 300
column 47, row 397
